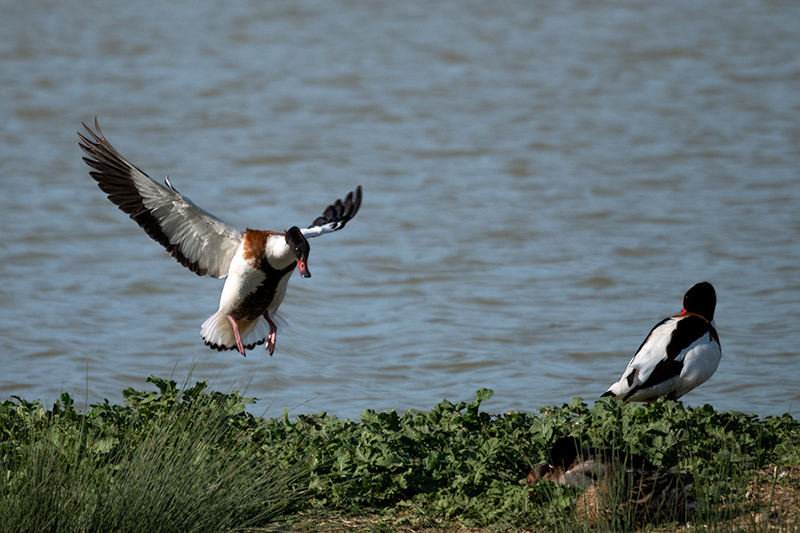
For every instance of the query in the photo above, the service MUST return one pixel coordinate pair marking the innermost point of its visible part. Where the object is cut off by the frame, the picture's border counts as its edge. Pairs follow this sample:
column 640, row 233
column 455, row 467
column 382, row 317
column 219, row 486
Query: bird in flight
column 257, row 264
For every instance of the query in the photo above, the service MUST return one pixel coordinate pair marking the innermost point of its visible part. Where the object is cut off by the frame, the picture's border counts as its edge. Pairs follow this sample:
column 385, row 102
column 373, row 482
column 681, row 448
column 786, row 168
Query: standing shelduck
column 257, row 264
column 680, row 353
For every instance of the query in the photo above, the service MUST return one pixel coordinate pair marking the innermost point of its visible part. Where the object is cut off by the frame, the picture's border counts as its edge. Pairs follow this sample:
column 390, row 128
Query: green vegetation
column 167, row 461
column 194, row 460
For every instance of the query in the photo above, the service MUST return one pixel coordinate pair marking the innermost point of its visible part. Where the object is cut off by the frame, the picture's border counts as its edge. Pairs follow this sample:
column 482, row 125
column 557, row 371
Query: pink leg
column 239, row 345
column 273, row 334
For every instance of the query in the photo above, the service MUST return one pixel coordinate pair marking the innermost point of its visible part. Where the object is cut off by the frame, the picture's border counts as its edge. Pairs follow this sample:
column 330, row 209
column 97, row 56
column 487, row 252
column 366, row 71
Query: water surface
column 542, row 183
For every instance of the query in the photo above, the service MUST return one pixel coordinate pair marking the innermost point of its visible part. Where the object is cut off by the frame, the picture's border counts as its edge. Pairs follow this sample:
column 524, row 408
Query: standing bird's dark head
column 701, row 300
column 300, row 249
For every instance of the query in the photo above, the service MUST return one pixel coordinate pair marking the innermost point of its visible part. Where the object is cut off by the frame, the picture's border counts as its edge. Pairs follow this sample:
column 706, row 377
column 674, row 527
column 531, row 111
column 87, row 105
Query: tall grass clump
column 164, row 462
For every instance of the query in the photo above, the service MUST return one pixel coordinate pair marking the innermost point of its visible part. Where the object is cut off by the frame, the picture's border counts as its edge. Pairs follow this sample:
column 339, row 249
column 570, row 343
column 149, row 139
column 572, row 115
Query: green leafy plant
column 195, row 460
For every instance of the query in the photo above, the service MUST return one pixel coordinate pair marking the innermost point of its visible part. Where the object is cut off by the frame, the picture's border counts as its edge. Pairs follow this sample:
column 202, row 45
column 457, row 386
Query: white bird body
column 244, row 278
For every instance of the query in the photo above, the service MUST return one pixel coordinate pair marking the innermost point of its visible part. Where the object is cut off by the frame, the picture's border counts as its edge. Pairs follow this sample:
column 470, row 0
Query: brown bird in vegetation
column 627, row 486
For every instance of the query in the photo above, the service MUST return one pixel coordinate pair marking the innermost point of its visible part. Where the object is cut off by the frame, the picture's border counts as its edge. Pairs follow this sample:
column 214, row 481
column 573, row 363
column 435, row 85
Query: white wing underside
column 203, row 238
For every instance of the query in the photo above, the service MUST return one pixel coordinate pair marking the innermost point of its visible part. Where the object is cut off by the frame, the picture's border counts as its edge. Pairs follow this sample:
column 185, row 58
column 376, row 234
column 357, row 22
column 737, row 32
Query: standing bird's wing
column 661, row 355
column 654, row 354
column 335, row 215
column 197, row 239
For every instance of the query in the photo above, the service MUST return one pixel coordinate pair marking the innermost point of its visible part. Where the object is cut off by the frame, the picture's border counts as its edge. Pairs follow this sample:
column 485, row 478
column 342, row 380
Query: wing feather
column 335, row 215
column 661, row 355
column 653, row 350
column 197, row 239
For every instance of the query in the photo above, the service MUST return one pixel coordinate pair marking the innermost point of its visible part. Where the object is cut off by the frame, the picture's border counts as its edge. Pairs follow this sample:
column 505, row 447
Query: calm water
column 542, row 183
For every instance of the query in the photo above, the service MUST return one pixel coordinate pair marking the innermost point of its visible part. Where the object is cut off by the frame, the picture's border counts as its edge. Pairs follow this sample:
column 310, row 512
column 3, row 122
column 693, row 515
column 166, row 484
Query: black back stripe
column 687, row 331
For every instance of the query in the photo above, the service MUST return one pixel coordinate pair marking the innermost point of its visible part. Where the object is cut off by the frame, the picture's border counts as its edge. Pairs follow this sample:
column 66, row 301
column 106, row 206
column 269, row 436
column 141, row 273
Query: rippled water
column 542, row 183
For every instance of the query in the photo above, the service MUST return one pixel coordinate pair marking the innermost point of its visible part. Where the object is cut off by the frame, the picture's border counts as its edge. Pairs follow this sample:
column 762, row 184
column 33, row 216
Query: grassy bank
column 193, row 460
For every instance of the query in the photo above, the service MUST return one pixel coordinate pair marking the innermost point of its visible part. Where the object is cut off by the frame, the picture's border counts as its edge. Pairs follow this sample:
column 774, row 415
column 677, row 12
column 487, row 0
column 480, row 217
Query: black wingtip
column 341, row 210
column 96, row 136
column 352, row 204
column 357, row 202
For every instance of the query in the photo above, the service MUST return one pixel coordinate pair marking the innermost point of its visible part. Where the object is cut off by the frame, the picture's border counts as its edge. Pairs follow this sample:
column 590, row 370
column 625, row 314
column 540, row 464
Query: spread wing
column 335, row 215
column 197, row 239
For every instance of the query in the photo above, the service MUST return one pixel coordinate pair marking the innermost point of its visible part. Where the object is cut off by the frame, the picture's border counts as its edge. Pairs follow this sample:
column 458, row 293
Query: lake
column 542, row 181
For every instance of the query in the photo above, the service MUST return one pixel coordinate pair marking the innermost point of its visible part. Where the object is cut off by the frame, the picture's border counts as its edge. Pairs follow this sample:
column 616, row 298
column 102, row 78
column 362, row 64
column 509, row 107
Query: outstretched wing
column 335, row 215
column 197, row 239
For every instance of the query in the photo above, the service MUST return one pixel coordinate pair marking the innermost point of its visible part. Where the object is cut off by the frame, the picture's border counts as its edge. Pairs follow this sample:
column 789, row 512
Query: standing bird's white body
column 257, row 264
column 680, row 353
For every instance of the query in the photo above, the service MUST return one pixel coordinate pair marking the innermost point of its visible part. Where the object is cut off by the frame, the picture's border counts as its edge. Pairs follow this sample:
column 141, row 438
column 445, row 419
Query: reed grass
column 177, row 467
